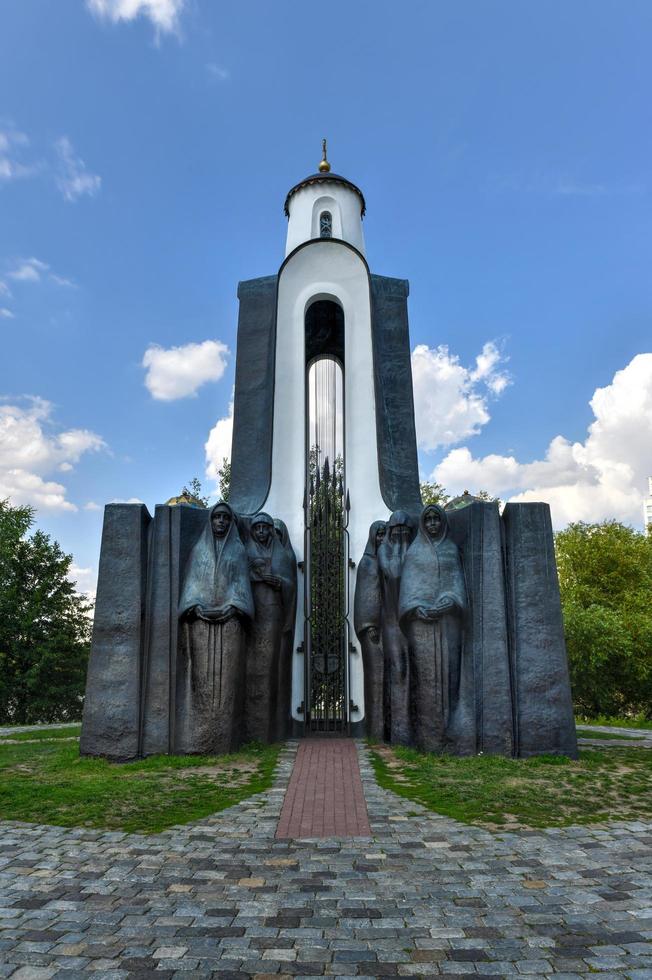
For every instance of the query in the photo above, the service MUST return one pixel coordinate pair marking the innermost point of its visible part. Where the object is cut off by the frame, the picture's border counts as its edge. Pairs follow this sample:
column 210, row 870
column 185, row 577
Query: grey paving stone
column 423, row 896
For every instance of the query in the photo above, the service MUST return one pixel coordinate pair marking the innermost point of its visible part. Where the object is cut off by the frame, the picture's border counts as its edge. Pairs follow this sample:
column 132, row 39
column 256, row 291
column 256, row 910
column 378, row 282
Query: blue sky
column 146, row 147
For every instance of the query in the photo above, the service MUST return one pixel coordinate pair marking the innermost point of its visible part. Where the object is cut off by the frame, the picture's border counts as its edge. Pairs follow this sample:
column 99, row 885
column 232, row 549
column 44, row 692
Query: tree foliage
column 194, row 489
column 433, row 493
column 605, row 577
column 44, row 625
column 224, row 477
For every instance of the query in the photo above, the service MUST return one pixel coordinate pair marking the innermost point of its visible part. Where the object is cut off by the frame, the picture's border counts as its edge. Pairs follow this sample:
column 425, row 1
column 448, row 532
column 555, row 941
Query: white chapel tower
column 323, row 366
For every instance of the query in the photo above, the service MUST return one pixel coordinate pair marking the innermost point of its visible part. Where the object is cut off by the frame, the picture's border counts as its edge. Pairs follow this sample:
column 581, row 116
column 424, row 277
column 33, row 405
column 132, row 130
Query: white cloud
column 6, row 314
column 34, row 270
column 12, row 144
column 91, row 505
column 451, row 402
column 178, row 372
column 4, row 289
column 217, row 72
column 603, row 477
column 85, row 579
column 29, row 452
column 72, row 177
column 164, row 14
column 218, row 445
column 28, row 270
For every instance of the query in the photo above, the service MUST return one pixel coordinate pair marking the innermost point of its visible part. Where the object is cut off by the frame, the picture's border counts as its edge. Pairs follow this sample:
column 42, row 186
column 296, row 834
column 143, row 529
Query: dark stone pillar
column 542, row 698
column 174, row 531
column 398, row 466
column 112, row 707
column 484, row 720
column 253, row 414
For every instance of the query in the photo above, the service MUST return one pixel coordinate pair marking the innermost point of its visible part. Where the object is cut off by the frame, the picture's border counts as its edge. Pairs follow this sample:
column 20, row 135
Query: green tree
column 194, row 489
column 605, row 577
column 44, row 625
column 433, row 493
column 224, row 477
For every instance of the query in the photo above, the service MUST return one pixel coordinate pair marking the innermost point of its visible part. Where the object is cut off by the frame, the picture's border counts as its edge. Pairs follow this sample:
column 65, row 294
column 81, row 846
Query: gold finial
column 324, row 165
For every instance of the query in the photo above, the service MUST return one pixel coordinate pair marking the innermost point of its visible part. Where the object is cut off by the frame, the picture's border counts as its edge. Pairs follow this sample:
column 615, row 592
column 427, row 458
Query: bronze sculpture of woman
column 216, row 602
column 432, row 601
column 284, row 688
column 274, row 592
column 391, row 556
column 367, row 621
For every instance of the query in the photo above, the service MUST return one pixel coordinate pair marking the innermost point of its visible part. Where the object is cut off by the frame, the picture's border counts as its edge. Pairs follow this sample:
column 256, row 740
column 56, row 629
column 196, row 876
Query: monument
column 254, row 620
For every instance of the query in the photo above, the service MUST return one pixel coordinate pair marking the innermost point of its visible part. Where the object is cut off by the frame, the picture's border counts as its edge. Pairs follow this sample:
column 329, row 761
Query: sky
column 146, row 147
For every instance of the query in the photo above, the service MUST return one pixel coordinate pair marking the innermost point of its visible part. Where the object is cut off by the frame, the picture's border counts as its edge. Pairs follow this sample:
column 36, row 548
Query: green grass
column 50, row 783
column 588, row 733
column 613, row 721
column 43, row 734
column 548, row 791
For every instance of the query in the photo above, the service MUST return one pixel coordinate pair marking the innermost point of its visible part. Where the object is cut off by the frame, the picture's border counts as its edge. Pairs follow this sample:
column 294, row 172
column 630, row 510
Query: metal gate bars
column 326, row 631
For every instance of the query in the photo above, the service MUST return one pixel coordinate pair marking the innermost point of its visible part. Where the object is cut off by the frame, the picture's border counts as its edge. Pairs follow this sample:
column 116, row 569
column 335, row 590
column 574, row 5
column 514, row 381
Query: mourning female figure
column 289, row 575
column 367, row 620
column 432, row 601
column 391, row 555
column 274, row 590
column 215, row 604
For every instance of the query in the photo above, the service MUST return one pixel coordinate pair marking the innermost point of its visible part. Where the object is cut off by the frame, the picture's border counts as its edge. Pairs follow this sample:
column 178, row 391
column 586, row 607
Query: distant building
column 647, row 506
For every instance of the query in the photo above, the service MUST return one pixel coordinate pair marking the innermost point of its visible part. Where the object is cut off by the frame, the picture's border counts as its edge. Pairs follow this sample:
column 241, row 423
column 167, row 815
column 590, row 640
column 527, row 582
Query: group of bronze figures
column 410, row 601
column 236, row 614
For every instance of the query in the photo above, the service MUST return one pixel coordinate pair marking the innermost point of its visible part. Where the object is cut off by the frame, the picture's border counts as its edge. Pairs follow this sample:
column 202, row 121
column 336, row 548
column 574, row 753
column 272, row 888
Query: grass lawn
column 548, row 791
column 608, row 736
column 49, row 783
column 43, row 734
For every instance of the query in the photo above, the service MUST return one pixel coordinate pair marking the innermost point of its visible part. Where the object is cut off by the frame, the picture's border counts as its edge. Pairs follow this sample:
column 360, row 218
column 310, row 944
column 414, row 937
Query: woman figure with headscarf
column 367, row 621
column 273, row 591
column 284, row 702
column 391, row 556
column 216, row 603
column 432, row 601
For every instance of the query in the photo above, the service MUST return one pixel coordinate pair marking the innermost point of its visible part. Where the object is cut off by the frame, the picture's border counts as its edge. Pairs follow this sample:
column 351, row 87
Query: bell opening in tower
column 326, row 518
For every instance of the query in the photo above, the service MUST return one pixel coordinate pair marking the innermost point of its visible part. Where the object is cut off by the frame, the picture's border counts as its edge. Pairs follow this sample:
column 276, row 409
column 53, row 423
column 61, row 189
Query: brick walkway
column 325, row 796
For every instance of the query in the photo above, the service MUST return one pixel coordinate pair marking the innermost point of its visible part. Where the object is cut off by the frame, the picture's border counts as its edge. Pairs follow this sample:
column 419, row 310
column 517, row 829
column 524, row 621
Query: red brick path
column 324, row 797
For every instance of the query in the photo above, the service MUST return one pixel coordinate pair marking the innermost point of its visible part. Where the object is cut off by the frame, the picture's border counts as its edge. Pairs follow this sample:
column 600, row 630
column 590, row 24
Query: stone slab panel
column 542, row 697
column 110, row 722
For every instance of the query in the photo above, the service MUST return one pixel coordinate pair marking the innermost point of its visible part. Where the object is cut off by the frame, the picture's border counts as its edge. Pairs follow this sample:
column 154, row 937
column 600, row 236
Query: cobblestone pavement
column 424, row 896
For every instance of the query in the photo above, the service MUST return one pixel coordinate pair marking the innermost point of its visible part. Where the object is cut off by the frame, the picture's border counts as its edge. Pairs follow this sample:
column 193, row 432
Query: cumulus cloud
column 72, row 176
column 451, row 402
column 12, row 145
column 5, row 313
column 218, row 445
column 29, row 452
column 164, row 14
column 603, row 477
column 179, row 372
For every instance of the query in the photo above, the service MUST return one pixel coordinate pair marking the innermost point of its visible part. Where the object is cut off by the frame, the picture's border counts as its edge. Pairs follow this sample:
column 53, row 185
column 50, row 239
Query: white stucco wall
column 304, row 207
column 325, row 270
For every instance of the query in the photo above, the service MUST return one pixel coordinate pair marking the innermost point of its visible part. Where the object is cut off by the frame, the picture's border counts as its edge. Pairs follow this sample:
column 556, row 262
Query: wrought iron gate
column 326, row 596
